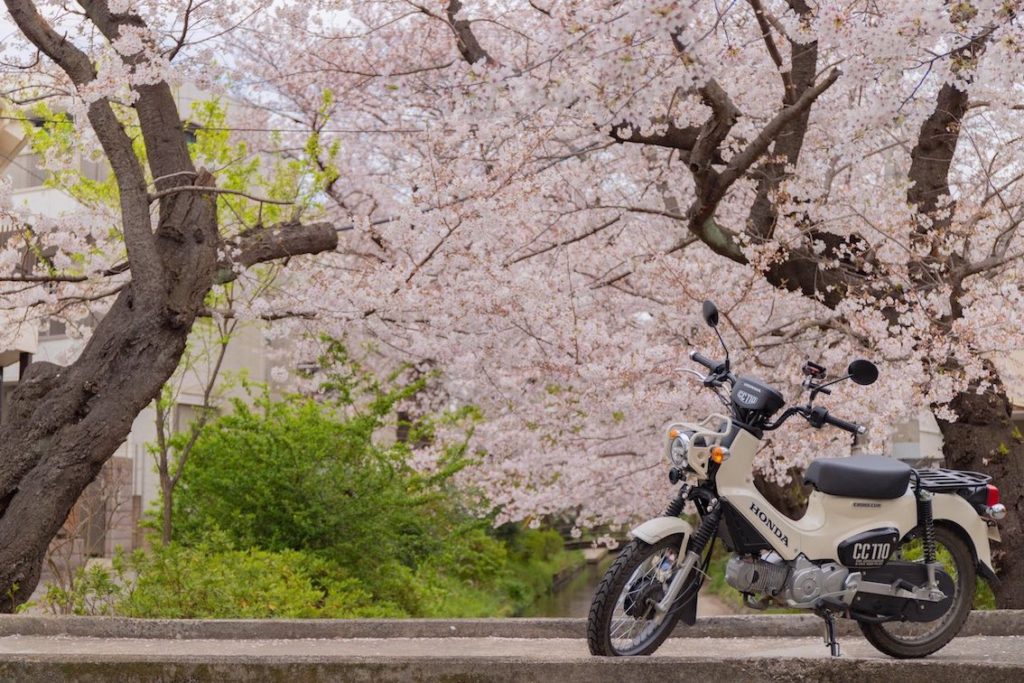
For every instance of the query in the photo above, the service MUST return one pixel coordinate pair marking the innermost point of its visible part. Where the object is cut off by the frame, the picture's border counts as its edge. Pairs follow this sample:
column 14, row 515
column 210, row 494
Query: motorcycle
column 894, row 548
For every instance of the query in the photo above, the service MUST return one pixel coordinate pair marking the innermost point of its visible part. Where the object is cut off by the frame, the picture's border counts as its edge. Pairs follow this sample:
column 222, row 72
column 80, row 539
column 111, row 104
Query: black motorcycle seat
column 860, row 476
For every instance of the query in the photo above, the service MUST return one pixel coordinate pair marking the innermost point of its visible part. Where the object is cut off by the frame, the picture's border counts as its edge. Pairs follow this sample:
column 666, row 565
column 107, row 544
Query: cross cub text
column 893, row 548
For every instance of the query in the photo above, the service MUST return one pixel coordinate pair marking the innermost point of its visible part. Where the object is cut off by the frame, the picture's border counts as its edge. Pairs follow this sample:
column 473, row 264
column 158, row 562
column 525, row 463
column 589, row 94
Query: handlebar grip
column 696, row 356
column 851, row 427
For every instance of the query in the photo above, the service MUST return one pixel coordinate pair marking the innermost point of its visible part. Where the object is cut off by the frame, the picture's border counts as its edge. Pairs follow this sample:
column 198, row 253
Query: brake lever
column 696, row 374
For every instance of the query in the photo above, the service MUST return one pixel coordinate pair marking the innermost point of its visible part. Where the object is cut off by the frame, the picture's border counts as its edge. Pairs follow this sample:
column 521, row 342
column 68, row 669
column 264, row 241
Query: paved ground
column 1007, row 650
column 28, row 659
column 719, row 648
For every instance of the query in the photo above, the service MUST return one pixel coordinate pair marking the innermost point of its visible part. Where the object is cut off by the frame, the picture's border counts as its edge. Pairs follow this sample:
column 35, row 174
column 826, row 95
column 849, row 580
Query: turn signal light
column 673, row 433
column 993, row 496
column 719, row 454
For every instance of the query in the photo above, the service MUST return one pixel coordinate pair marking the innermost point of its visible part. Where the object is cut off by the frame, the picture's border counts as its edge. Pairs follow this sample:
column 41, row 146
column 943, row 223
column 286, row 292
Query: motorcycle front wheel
column 622, row 616
column 910, row 640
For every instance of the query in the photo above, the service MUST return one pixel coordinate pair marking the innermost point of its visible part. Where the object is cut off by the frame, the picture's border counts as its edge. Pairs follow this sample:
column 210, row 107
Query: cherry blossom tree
column 537, row 197
column 571, row 178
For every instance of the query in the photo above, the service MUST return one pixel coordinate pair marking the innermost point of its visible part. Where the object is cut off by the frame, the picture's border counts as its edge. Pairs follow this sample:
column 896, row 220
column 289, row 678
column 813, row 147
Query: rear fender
column 952, row 509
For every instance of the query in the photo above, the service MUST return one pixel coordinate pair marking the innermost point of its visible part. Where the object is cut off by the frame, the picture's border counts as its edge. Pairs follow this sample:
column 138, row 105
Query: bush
column 306, row 492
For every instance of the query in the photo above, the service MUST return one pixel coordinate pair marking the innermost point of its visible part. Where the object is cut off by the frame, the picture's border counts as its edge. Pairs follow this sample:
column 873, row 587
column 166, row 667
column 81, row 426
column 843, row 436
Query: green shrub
column 306, row 491
column 94, row 590
column 203, row 582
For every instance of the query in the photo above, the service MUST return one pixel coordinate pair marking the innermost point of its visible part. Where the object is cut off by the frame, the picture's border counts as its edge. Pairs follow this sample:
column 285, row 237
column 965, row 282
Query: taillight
column 992, row 498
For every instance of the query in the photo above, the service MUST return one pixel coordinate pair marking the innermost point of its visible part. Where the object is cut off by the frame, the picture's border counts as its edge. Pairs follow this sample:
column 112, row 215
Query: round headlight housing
column 678, row 447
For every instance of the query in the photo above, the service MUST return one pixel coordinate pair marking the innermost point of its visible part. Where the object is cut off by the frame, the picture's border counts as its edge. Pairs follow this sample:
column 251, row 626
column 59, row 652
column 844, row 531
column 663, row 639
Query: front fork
column 691, row 558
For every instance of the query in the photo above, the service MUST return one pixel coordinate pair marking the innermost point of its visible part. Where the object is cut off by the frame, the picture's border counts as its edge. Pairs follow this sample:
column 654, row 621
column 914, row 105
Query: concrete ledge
column 497, row 669
column 987, row 623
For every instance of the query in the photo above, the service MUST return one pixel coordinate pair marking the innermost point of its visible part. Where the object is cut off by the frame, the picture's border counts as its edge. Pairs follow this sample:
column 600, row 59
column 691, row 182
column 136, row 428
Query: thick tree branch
column 723, row 117
column 933, row 153
column 931, row 159
column 785, row 151
column 769, row 43
column 267, row 243
column 673, row 138
column 739, row 164
column 469, row 46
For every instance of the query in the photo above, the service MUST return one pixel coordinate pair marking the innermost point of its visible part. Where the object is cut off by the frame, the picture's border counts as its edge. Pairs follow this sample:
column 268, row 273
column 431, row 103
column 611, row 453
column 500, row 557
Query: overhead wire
column 241, row 129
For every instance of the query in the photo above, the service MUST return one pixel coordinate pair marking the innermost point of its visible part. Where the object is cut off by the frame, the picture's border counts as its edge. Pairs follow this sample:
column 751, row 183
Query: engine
column 799, row 583
column 750, row 575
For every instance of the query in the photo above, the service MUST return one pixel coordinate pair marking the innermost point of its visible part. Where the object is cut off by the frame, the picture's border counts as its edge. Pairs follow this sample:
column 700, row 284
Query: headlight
column 678, row 446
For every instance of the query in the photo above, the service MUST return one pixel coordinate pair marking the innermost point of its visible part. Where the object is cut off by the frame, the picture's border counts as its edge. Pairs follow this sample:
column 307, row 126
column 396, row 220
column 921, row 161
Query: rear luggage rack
column 950, row 480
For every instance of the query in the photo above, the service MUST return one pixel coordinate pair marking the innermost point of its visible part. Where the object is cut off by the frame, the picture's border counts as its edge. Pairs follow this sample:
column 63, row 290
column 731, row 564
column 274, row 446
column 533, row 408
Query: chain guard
column 890, row 608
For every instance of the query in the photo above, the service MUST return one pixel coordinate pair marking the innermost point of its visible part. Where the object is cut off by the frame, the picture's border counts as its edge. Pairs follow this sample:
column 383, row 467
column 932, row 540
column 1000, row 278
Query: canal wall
column 979, row 623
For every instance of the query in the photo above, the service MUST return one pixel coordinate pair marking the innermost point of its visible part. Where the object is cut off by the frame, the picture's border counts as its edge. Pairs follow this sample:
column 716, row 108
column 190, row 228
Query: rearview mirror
column 710, row 313
column 862, row 372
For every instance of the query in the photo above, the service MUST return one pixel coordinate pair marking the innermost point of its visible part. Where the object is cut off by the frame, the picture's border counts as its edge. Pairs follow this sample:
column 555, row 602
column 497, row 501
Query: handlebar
column 817, row 417
column 698, row 357
column 851, row 427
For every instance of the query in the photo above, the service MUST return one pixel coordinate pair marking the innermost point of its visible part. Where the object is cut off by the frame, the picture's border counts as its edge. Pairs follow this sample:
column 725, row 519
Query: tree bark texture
column 984, row 439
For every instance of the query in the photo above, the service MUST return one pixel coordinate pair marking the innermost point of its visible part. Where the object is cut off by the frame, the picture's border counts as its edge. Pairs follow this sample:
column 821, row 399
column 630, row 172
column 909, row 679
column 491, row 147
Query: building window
column 52, row 327
column 26, row 172
column 95, row 170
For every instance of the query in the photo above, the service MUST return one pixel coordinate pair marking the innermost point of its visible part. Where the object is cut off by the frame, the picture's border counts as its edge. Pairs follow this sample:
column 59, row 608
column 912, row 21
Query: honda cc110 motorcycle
column 894, row 548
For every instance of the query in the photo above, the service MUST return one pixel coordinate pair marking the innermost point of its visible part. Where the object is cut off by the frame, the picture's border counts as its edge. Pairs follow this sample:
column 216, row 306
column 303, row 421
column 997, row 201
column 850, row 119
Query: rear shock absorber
column 926, row 520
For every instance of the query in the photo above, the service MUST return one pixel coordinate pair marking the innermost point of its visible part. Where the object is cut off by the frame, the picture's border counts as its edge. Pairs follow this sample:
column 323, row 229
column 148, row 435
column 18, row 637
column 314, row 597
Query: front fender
column 653, row 530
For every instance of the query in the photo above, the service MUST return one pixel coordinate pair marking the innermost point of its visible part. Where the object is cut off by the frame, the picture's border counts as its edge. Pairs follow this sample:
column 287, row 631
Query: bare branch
column 43, row 278
column 282, row 240
column 231, row 314
column 739, row 164
column 216, row 190
column 577, row 238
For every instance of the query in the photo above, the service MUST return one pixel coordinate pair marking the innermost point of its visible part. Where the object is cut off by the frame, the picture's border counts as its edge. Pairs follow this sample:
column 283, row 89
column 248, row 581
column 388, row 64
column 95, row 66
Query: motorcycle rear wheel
column 620, row 622
column 907, row 640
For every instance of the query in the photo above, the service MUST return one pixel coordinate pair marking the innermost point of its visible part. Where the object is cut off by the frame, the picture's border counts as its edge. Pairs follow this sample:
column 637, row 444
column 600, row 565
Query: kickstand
column 830, row 632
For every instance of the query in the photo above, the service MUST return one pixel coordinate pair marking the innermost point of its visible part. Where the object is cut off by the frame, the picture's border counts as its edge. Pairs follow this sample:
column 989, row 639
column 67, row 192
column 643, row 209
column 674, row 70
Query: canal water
column 572, row 599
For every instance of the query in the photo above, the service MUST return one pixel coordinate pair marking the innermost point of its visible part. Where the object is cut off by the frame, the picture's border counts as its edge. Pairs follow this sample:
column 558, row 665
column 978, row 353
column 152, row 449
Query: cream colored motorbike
column 894, row 548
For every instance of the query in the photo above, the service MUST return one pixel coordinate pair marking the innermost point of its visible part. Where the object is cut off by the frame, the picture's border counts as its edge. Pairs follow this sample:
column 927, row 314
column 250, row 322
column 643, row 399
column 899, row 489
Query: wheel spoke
column 628, row 632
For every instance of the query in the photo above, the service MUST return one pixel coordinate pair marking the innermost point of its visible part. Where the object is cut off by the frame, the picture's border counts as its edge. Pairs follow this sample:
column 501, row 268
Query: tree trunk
column 66, row 422
column 984, row 439
column 166, row 505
